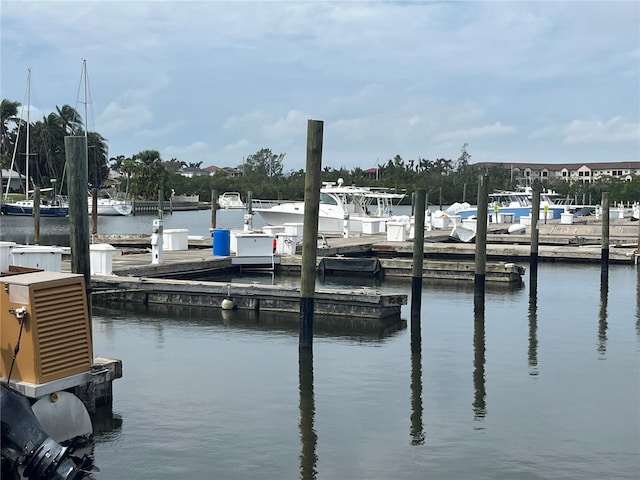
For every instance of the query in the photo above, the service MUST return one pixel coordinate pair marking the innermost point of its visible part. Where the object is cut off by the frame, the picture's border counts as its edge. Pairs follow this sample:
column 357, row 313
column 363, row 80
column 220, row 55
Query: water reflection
column 602, row 324
column 417, row 428
column 533, row 335
column 638, row 301
column 479, row 401
column 273, row 323
column 308, row 436
column 107, row 425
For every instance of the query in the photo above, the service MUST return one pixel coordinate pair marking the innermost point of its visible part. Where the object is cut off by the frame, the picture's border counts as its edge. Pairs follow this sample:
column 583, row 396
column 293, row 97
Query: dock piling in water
column 481, row 244
column 535, row 236
column 604, row 272
column 418, row 258
column 310, row 230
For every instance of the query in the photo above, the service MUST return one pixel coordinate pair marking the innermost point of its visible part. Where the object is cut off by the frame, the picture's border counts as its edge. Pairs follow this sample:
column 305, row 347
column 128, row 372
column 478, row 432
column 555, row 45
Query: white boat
column 230, row 200
column 341, row 207
column 518, row 203
column 109, row 205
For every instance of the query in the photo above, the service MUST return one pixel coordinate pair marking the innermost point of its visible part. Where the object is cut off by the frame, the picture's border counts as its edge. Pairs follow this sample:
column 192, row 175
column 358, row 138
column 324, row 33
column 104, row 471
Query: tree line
column 262, row 173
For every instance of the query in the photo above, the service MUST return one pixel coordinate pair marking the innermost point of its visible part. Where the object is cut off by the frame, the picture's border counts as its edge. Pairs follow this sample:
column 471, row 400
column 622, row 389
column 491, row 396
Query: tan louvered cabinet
column 55, row 341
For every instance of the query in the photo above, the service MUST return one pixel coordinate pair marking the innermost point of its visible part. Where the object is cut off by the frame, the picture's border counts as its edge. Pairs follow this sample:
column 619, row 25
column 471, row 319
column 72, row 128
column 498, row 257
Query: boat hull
column 111, row 207
column 27, row 211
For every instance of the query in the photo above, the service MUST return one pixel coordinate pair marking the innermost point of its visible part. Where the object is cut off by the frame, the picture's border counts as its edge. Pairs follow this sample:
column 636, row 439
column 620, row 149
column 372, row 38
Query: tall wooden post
column 77, row 178
column 310, row 231
column 94, row 211
column 214, row 209
column 36, row 215
column 535, row 235
column 418, row 260
column 481, row 244
column 604, row 266
column 160, row 203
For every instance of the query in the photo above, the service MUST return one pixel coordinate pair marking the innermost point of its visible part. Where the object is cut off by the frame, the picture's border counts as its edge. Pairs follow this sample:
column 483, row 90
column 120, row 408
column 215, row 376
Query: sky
column 215, row 82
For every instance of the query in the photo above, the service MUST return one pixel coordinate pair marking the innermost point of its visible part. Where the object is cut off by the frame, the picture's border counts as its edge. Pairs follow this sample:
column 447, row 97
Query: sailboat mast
column 26, row 190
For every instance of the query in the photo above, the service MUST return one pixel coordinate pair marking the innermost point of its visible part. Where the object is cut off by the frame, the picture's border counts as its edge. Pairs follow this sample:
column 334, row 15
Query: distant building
column 228, row 171
column 527, row 173
column 13, row 179
column 191, row 172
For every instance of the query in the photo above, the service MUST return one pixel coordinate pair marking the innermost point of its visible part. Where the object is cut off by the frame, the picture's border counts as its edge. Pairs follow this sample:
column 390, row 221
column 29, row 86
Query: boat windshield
column 326, row 199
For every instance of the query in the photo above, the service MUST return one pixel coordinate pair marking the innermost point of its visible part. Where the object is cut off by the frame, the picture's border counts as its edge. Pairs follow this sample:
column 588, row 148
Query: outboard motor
column 27, row 451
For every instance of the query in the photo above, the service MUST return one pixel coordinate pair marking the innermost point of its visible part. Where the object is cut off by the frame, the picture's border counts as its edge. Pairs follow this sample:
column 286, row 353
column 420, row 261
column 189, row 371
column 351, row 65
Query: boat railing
column 263, row 204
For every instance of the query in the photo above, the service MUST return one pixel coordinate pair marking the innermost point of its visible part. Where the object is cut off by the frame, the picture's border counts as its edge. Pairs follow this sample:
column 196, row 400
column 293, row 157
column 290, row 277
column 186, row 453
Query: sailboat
column 107, row 204
column 47, row 208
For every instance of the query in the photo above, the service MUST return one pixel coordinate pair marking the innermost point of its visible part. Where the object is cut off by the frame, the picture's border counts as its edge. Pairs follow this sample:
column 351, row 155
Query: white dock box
column 286, row 244
column 5, row 255
column 293, row 229
column 175, row 239
column 254, row 245
column 372, row 226
column 45, row 258
column 396, row 231
column 566, row 218
column 101, row 256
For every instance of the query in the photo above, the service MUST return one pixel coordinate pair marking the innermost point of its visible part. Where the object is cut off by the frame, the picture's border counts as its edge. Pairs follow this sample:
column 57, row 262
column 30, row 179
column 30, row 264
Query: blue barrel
column 221, row 242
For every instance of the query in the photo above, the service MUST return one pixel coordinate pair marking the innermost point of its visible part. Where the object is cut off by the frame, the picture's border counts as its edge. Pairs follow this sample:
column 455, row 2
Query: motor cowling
column 26, row 447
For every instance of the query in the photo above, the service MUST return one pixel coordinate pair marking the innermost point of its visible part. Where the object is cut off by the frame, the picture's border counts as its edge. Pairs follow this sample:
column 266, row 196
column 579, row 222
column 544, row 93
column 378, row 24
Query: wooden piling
column 214, row 208
column 604, row 265
column 77, row 179
column 94, row 211
column 535, row 236
column 418, row 259
column 310, row 230
column 36, row 216
column 160, row 203
column 481, row 244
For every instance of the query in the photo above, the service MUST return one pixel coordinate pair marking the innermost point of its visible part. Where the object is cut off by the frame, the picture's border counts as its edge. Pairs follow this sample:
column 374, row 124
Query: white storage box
column 525, row 220
column 254, row 244
column 5, row 255
column 372, row 225
column 440, row 222
column 101, row 256
column 286, row 244
column 175, row 239
column 396, row 231
column 293, row 229
column 45, row 258
column 566, row 218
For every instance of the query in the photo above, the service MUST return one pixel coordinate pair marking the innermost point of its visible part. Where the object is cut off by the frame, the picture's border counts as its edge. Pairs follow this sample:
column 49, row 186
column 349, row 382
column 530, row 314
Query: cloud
column 470, row 133
column 117, row 119
column 615, row 129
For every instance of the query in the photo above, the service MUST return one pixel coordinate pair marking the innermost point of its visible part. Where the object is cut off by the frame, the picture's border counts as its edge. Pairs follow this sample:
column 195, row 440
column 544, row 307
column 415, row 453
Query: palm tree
column 8, row 114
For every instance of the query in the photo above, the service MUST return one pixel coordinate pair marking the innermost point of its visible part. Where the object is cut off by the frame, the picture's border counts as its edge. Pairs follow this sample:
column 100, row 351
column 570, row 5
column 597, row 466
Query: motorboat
column 517, row 203
column 342, row 209
column 108, row 205
column 230, row 200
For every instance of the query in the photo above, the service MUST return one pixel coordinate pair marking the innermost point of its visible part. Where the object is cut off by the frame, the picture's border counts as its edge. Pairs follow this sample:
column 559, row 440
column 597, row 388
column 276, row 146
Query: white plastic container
column 254, row 245
column 566, row 218
column 101, row 257
column 5, row 255
column 396, row 231
column 525, row 220
column 45, row 258
column 286, row 244
column 175, row 239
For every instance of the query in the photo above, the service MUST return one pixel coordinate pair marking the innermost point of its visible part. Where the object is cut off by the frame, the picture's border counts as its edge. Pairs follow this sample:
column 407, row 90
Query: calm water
column 547, row 389
column 541, row 389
